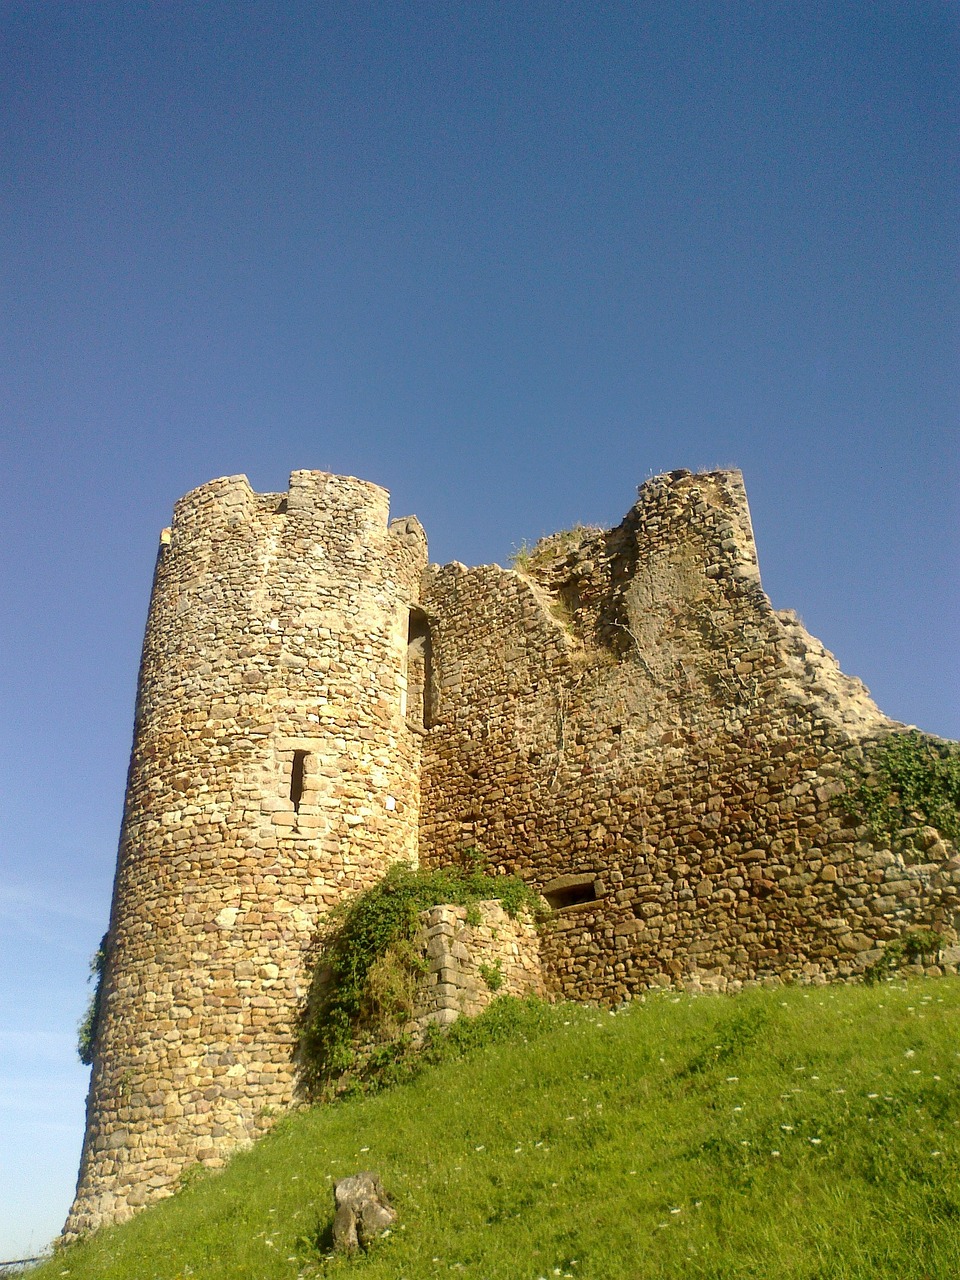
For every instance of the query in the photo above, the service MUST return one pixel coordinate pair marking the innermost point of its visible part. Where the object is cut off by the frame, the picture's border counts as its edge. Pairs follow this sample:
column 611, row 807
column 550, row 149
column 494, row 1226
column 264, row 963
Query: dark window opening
column 570, row 597
column 420, row 686
column 296, row 779
column 570, row 891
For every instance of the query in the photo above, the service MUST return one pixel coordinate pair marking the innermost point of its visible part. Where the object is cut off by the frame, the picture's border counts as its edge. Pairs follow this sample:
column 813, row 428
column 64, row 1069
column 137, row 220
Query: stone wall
column 472, row 959
column 629, row 725
column 273, row 772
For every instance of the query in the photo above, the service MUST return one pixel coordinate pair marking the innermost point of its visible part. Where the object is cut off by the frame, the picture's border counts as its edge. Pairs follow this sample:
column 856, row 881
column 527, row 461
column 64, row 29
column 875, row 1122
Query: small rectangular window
column 571, row 891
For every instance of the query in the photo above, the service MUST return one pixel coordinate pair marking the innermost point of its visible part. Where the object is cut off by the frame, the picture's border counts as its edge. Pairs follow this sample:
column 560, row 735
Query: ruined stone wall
column 472, row 957
column 623, row 720
column 628, row 724
column 273, row 773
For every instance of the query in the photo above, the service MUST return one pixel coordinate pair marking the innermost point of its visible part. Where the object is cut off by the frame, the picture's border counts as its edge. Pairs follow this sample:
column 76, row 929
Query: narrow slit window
column 296, row 779
column 419, row 670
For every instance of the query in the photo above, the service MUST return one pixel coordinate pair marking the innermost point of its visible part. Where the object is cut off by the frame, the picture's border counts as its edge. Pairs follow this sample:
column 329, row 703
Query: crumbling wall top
column 316, row 497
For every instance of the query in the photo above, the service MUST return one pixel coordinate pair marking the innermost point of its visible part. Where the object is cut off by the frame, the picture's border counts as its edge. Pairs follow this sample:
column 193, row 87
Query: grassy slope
column 790, row 1133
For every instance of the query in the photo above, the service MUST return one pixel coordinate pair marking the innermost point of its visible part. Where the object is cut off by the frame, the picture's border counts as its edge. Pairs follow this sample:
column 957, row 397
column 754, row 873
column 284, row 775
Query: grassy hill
column 796, row 1132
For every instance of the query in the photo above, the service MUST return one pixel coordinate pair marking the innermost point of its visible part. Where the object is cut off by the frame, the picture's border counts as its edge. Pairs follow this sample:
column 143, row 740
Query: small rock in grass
column 363, row 1212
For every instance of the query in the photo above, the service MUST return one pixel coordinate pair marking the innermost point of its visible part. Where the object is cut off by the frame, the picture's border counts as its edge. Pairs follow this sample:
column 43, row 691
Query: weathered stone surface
column 363, row 1212
column 273, row 773
column 469, row 964
column 630, row 709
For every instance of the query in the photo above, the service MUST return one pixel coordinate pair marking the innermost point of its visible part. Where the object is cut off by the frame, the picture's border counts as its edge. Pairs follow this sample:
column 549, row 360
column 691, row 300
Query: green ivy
column 917, row 946
column 87, row 1027
column 358, row 981
column 906, row 780
column 492, row 974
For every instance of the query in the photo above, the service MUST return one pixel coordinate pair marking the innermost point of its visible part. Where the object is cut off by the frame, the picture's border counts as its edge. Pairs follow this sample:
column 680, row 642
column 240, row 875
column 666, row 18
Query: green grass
column 799, row 1132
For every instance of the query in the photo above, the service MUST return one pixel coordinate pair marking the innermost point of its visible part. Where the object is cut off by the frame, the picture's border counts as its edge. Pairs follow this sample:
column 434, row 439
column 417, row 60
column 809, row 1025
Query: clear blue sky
column 506, row 259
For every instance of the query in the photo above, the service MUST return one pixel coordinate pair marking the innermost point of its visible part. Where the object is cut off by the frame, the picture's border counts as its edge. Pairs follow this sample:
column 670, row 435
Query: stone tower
column 275, row 769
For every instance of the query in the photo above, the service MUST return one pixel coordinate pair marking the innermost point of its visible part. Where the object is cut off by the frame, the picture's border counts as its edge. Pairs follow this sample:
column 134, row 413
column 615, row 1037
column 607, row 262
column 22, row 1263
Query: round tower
column 274, row 771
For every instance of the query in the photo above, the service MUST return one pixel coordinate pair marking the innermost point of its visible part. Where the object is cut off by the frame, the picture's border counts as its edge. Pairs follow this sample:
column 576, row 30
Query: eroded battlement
column 312, row 496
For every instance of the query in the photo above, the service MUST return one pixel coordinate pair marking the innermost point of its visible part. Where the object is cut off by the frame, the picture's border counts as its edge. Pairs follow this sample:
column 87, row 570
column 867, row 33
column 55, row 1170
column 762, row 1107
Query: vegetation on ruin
column 365, row 976
column 802, row 1133
column 907, row 780
column 492, row 974
column 916, row 946
column 87, row 1027
column 525, row 556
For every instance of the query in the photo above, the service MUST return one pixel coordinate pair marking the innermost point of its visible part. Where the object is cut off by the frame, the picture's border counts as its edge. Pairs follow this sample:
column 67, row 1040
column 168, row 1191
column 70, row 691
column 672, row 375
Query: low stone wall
column 471, row 962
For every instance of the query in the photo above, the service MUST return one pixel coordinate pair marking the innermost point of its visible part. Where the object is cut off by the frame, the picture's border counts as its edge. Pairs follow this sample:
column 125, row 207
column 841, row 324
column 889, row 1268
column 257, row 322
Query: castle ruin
column 622, row 719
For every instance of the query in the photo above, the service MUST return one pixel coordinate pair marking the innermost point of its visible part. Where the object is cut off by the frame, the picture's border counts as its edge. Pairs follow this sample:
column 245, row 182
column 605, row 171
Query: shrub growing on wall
column 87, row 1028
column 365, row 976
column 906, row 780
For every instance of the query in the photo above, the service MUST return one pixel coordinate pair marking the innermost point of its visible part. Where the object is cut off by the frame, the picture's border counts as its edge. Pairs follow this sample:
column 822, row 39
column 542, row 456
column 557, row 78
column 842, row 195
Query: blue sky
column 506, row 259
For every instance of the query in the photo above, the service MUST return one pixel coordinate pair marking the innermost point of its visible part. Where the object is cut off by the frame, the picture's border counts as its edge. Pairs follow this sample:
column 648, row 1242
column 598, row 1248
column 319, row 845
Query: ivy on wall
column 87, row 1027
column 365, row 976
column 907, row 780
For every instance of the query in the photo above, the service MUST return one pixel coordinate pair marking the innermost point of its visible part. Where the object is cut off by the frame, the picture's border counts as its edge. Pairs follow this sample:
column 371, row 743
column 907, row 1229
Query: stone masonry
column 622, row 719
column 628, row 724
column 273, row 773
column 470, row 961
